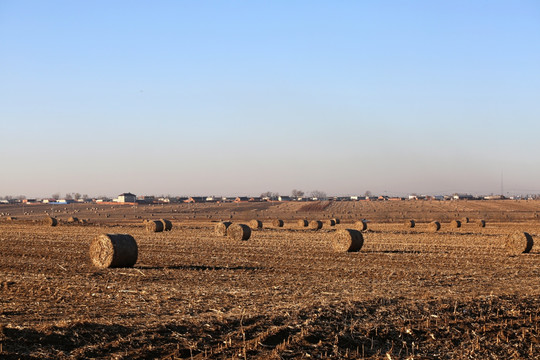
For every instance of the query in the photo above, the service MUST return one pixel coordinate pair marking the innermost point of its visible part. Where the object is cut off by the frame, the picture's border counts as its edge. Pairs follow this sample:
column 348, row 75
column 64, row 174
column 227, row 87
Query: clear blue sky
column 236, row 97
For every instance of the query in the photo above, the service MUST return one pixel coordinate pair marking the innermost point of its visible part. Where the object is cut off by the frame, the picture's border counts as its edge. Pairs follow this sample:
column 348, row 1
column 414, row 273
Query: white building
column 127, row 198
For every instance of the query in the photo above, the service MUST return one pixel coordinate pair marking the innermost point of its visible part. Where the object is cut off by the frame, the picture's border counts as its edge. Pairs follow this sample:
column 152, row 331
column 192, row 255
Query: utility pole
column 502, row 184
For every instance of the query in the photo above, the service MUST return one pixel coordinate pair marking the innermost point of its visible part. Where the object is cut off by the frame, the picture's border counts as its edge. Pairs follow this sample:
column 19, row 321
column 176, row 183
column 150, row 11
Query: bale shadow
column 199, row 267
column 396, row 251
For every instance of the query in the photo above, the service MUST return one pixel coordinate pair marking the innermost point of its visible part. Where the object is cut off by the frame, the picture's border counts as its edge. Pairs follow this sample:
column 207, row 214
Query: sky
column 240, row 98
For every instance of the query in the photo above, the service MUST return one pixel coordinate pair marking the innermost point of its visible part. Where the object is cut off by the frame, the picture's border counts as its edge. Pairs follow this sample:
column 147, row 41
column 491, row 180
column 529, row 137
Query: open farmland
column 284, row 293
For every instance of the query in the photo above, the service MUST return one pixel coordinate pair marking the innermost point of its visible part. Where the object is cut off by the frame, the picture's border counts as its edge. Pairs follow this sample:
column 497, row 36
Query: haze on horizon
column 226, row 98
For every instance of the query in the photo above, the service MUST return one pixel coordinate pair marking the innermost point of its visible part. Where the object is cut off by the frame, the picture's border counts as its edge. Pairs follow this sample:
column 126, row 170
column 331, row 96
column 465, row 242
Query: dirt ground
column 283, row 294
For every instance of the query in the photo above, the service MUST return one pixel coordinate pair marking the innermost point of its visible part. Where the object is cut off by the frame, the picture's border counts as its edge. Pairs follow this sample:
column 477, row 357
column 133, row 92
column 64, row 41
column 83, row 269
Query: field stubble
column 284, row 293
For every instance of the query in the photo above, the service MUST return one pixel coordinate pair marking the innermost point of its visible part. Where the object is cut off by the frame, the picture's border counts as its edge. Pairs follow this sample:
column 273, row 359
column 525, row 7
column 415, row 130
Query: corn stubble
column 285, row 293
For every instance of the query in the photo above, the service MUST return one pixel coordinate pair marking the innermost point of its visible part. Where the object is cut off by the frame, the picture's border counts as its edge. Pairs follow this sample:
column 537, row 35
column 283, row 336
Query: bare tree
column 320, row 195
column 270, row 195
column 367, row 193
column 56, row 196
column 297, row 193
column 76, row 196
column 69, row 197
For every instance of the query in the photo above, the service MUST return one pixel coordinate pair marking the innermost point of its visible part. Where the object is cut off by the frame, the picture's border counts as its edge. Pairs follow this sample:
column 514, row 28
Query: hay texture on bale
column 154, row 226
column 315, row 225
column 255, row 224
column 348, row 240
column 278, row 223
column 113, row 250
column 303, row 223
column 73, row 220
column 221, row 228
column 410, row 224
column 434, row 226
column 50, row 221
column 330, row 222
column 167, row 224
column 455, row 224
column 239, row 232
column 361, row 225
column 465, row 220
column 519, row 243
column 481, row 223
column 337, row 221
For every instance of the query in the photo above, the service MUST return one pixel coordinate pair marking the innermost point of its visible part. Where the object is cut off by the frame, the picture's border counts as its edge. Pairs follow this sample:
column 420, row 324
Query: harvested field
column 284, row 294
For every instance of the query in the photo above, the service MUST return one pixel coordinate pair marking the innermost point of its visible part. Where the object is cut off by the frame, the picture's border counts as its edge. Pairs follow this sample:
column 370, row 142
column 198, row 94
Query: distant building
column 463, row 197
column 284, row 198
column 241, row 199
column 196, row 199
column 146, row 199
column 494, row 197
column 255, row 199
column 126, row 198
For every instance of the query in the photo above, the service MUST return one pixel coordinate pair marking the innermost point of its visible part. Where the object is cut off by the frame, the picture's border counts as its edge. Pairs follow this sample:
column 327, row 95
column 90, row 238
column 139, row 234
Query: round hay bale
column 349, row 240
column 337, row 221
column 11, row 218
column 519, row 243
column 481, row 223
column 239, row 232
column 434, row 226
column 465, row 220
column 361, row 225
column 154, row 226
column 303, row 223
column 456, row 224
column 330, row 222
column 255, row 224
column 113, row 250
column 73, row 220
column 221, row 228
column 50, row 221
column 410, row 224
column 315, row 225
column 167, row 224
column 278, row 223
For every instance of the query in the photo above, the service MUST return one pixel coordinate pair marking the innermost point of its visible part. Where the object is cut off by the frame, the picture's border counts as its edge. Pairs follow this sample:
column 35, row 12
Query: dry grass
column 220, row 229
column 113, row 250
column 256, row 224
column 239, row 232
column 285, row 293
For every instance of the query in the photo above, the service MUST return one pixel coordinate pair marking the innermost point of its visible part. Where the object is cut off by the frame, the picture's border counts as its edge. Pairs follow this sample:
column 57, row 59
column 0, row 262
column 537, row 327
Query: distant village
column 129, row 198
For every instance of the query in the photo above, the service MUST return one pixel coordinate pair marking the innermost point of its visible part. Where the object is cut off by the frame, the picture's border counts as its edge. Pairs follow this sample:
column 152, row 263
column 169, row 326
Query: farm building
column 463, row 197
column 284, row 198
column 241, row 199
column 126, row 198
column 196, row 199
